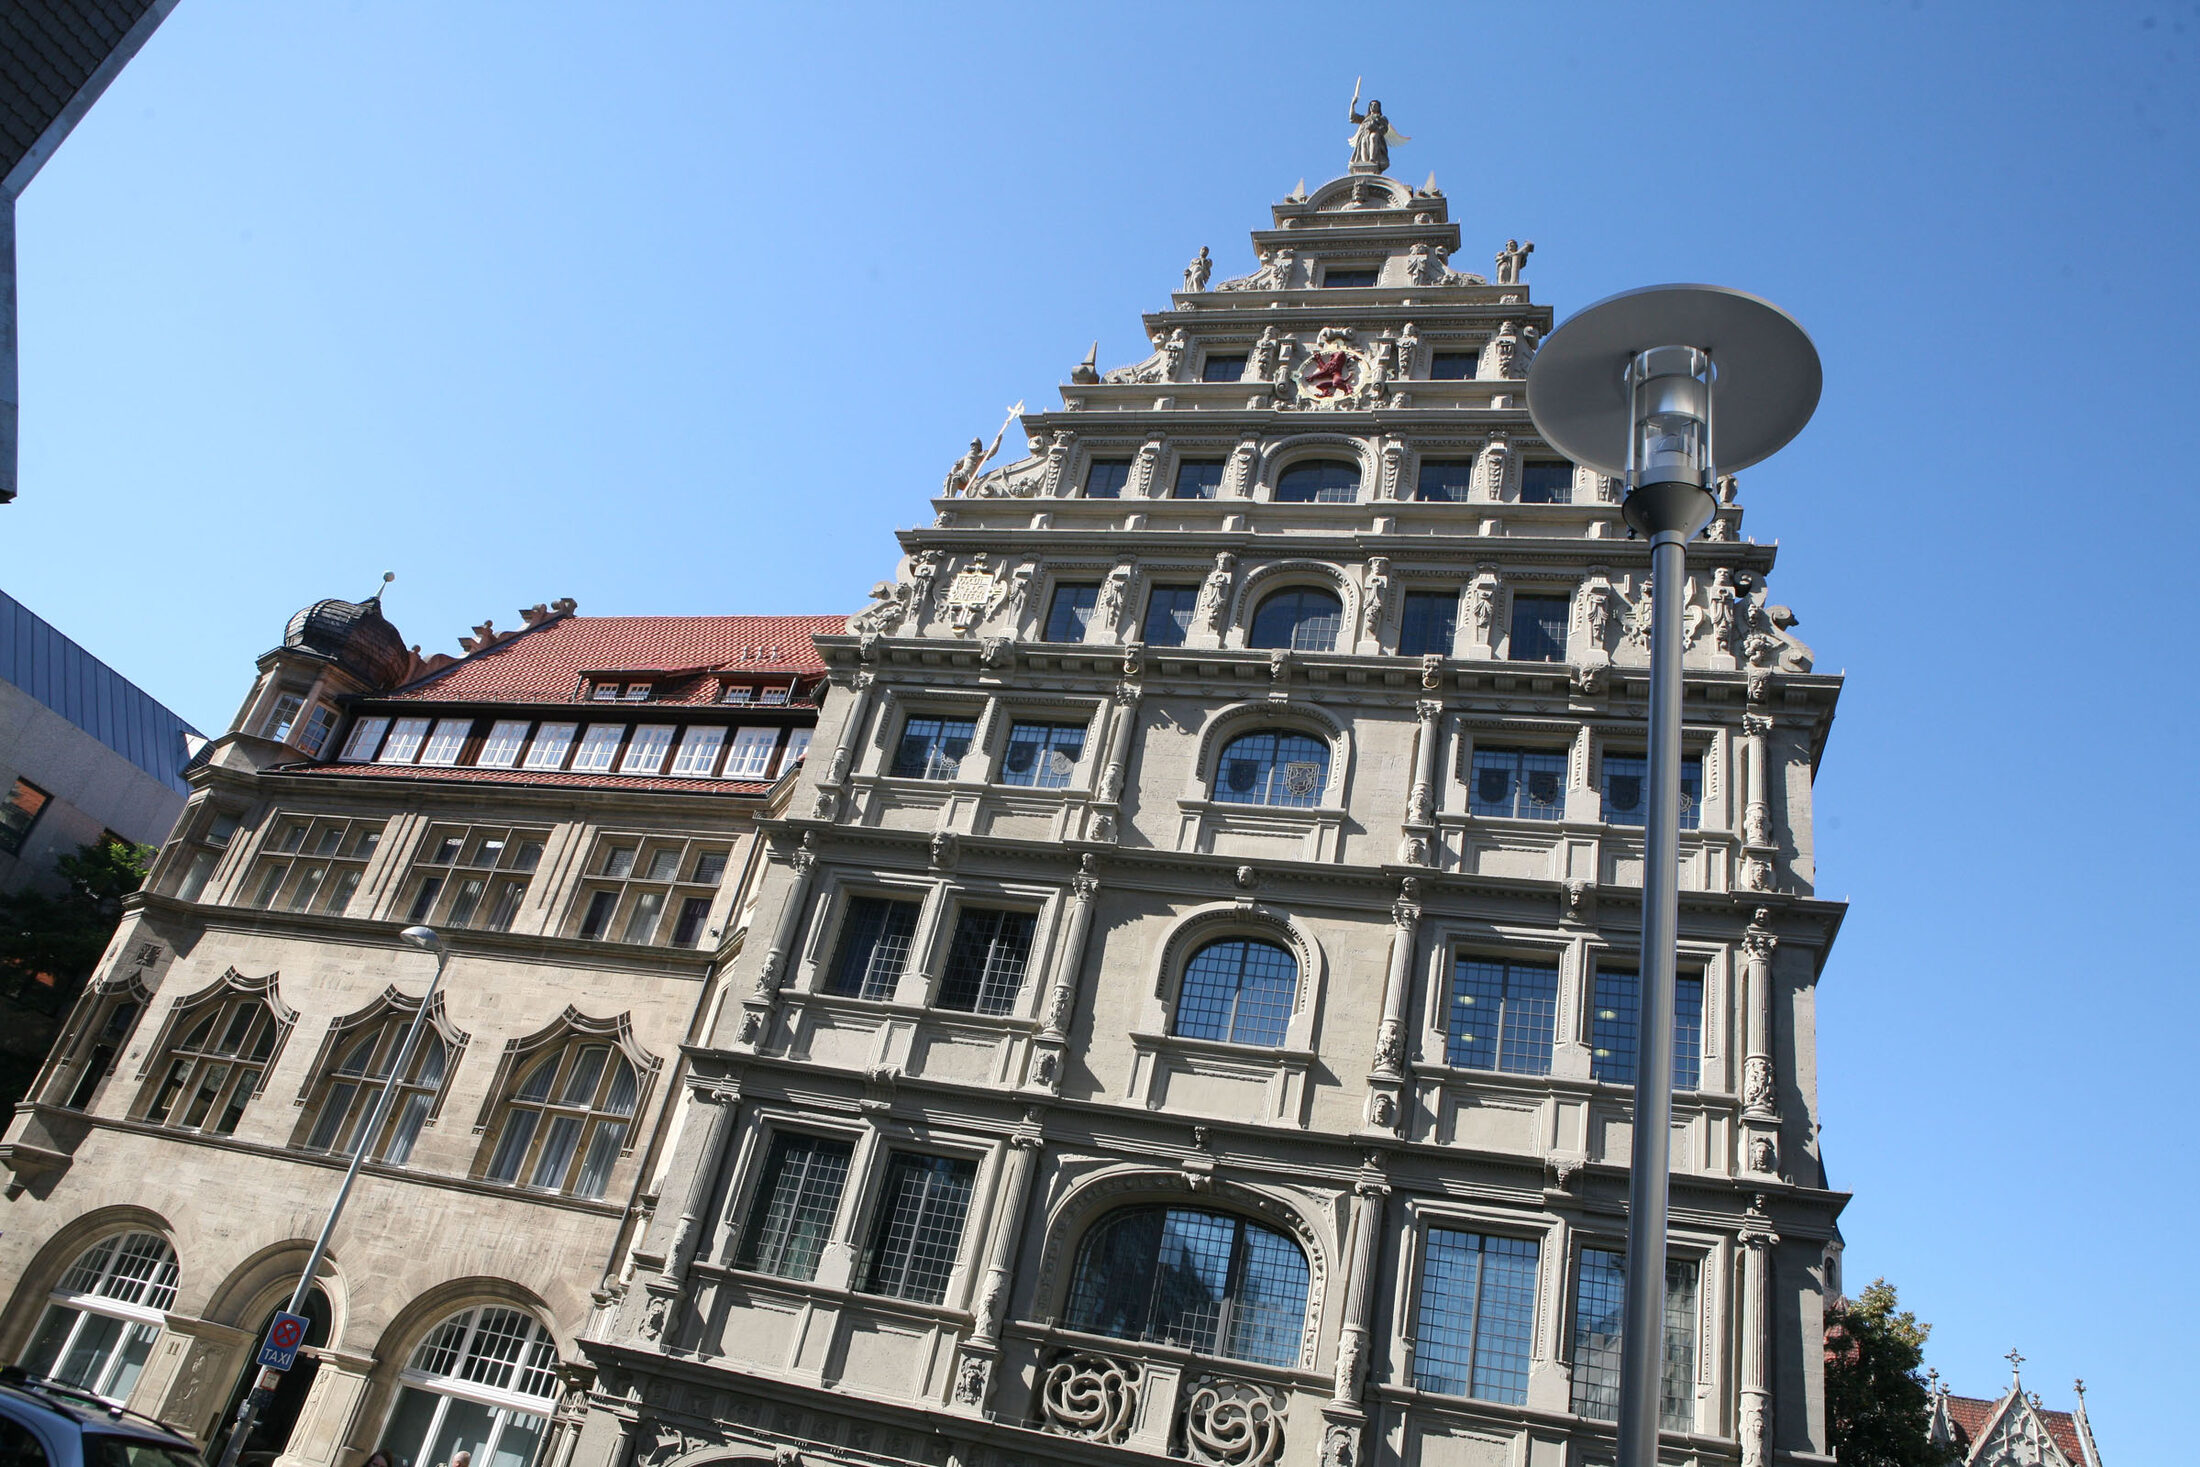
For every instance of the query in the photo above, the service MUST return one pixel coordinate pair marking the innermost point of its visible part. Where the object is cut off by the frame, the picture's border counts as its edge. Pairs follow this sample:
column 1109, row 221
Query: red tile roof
column 549, row 662
column 1970, row 1416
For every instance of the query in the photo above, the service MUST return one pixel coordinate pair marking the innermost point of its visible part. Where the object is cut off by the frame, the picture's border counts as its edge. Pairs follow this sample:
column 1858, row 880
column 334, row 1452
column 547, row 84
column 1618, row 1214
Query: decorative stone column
column 1417, row 847
column 981, row 1351
column 1758, row 850
column 1755, row 1426
column 1344, row 1417
column 1386, row 1082
column 826, row 804
column 1061, row 1009
column 763, row 994
column 1107, row 799
column 696, row 1164
column 1760, row 1091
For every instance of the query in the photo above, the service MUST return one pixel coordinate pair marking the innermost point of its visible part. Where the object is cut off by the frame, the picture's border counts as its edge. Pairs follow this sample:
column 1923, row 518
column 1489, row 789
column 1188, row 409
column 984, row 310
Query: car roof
column 111, row 1421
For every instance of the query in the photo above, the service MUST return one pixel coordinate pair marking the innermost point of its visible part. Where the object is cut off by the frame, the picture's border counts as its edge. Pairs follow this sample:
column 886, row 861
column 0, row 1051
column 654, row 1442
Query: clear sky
column 682, row 308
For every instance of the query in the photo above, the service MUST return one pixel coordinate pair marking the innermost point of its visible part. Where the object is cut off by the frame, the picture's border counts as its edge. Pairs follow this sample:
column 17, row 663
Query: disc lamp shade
column 1674, row 384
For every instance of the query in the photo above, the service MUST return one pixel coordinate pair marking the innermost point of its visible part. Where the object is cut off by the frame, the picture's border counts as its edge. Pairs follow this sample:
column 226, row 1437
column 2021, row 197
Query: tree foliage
column 1877, row 1405
column 50, row 944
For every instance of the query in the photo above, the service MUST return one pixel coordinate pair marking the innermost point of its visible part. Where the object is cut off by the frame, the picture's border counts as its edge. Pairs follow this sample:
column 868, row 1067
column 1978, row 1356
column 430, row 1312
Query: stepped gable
column 688, row 657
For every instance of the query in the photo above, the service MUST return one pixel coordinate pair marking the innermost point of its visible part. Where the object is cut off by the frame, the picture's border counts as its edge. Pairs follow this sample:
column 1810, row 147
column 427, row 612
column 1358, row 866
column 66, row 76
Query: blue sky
column 682, row 308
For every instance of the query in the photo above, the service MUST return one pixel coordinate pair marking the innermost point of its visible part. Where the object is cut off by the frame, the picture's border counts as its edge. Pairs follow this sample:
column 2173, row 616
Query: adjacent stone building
column 2016, row 1430
column 1189, row 1008
column 574, row 807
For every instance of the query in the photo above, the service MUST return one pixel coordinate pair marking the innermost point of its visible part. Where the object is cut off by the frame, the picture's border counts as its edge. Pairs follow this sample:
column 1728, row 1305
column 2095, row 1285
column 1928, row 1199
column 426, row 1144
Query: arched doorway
column 271, row 1428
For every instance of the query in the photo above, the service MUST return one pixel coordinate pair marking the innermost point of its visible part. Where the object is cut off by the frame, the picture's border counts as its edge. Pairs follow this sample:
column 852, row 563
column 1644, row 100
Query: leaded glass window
column 1615, row 1028
column 918, row 1234
column 1106, row 477
column 1447, row 480
column 1539, row 628
column 1502, row 1016
column 874, row 947
column 796, row 1202
column 1428, row 622
column 1627, row 789
column 1454, row 366
column 1240, row 991
column 1207, row 1281
column 933, row 748
column 1273, row 768
column 1301, row 618
column 1318, row 481
column 102, row 1319
column 1222, row 367
column 1546, row 482
column 1524, row 784
column 566, row 1121
column 1600, row 1306
column 1476, row 1315
column 985, row 965
column 1042, row 755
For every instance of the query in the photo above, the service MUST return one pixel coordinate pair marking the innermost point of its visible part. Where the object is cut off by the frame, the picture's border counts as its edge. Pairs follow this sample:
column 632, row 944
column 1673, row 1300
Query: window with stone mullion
column 1599, row 1307
column 795, row 1205
column 985, row 966
column 918, row 1235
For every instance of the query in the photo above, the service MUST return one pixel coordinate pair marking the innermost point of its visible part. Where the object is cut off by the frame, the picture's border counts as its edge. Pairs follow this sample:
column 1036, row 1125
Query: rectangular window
column 284, row 717
column 1523, row 784
column 1168, row 615
column 605, row 692
column 1449, row 480
column 645, row 752
column 365, row 735
column 423, row 899
column 1503, row 1016
column 1042, row 755
column 985, row 967
column 738, row 693
column 920, row 1226
column 933, row 748
column 552, row 741
column 796, row 1202
column 1626, row 789
column 25, row 802
column 501, row 749
column 1071, row 612
column 320, row 723
column 710, row 868
column 1222, row 367
column 637, row 692
column 1539, row 628
column 1545, row 482
column 689, row 926
column 1599, row 1304
column 1105, row 478
column 1454, row 366
column 641, row 922
column 1198, row 478
column 1428, row 623
column 598, row 915
column 699, row 748
column 405, row 741
column 506, row 906
column 752, row 753
column 1476, row 1316
column 874, row 947
column 599, row 742
column 798, row 745
column 774, row 695
column 1614, row 1028
column 449, row 738
column 1338, row 278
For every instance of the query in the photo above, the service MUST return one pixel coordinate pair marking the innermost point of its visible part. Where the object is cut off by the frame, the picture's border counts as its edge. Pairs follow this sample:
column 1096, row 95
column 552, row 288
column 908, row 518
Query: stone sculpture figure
column 1196, row 273
column 1377, row 598
column 1512, row 259
column 1107, row 608
column 1214, row 594
column 965, row 470
column 1372, row 135
column 1263, row 359
column 889, row 604
column 1409, row 343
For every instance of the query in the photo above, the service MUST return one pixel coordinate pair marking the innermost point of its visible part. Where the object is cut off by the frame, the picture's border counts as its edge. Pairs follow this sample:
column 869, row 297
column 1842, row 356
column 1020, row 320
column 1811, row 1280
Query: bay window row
column 691, row 751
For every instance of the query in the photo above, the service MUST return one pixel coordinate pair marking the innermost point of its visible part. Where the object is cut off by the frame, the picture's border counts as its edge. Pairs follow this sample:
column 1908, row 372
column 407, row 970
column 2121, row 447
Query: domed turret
column 355, row 636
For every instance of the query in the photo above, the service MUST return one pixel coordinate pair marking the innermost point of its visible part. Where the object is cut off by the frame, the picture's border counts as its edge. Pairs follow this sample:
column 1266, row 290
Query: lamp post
column 256, row 1399
column 1665, row 388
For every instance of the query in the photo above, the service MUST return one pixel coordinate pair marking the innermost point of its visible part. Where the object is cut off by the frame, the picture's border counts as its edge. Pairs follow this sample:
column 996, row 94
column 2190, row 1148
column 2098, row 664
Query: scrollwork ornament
column 1758, row 1085
column 1091, row 1397
column 1233, row 1423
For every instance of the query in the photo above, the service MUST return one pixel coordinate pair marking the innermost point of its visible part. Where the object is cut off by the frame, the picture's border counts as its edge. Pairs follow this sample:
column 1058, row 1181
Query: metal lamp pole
column 263, row 1390
column 1627, row 386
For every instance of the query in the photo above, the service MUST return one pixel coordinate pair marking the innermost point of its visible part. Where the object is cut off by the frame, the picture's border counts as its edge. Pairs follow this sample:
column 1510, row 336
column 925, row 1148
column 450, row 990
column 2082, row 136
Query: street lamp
column 1665, row 388
column 263, row 1390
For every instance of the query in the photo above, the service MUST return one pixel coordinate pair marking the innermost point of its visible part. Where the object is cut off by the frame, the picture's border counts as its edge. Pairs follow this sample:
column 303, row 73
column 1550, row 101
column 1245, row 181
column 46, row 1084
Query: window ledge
column 1214, row 1077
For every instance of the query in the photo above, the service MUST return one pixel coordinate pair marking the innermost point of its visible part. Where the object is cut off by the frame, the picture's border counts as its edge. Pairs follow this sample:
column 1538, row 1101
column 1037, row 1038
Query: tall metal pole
column 263, row 1389
column 1671, row 514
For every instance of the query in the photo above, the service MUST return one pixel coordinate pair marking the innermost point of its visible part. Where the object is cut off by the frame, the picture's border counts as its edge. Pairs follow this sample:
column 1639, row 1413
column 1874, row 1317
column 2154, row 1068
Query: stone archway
column 271, row 1431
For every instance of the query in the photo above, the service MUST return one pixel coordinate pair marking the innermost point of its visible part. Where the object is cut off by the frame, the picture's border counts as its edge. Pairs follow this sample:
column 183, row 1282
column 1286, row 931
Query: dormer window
column 637, row 692
column 738, row 693
column 774, row 695
column 605, row 692
column 1348, row 276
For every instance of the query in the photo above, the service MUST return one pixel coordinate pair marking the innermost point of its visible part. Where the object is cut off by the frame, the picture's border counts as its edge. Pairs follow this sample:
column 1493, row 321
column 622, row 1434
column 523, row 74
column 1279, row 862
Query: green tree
column 49, row 945
column 1877, row 1405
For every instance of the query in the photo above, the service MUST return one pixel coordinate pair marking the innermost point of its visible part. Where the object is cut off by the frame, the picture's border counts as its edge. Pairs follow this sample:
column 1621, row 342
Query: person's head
column 1374, row 108
column 379, row 1457
column 460, row 1459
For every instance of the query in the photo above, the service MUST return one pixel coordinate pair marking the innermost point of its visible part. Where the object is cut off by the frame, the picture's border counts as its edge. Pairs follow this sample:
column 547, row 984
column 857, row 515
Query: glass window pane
column 1071, row 612
column 1448, row 480
column 1321, row 481
column 985, row 965
column 699, row 748
column 645, row 752
column 552, row 741
column 1222, row 367
column 1539, row 628
column 796, row 1202
column 874, row 945
column 1476, row 1316
column 1543, row 482
column 1503, row 1016
column 598, row 744
column 1199, row 478
column 1106, row 477
column 1302, row 618
column 1042, row 755
column 1273, row 769
column 1428, row 622
column 920, row 1224
column 1168, row 615
column 1454, row 366
column 1238, row 991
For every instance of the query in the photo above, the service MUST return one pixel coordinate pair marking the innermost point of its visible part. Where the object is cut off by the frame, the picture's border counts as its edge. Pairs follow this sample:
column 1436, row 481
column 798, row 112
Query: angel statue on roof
column 1371, row 142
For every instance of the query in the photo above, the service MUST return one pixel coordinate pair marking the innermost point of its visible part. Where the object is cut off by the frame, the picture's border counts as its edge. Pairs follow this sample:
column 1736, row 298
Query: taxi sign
column 284, row 1336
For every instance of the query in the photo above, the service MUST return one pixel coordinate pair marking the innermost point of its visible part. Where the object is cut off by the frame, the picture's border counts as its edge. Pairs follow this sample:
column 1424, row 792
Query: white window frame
column 699, row 748
column 507, row 736
column 282, row 719
column 646, row 751
column 314, row 729
column 366, row 737
column 89, row 1302
column 447, row 742
column 406, row 737
column 505, row 1403
column 553, row 741
column 751, row 754
column 599, row 748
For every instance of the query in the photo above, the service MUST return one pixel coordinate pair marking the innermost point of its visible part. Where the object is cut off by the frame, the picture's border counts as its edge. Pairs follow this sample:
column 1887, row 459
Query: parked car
column 44, row 1423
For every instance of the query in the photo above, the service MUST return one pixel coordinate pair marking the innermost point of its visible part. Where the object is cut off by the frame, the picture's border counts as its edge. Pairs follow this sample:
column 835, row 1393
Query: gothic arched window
column 1319, row 481
column 566, row 1120
column 1238, row 990
column 1302, row 618
column 484, row 1381
column 102, row 1318
column 1273, row 768
column 1210, row 1282
column 356, row 1081
column 210, row 1075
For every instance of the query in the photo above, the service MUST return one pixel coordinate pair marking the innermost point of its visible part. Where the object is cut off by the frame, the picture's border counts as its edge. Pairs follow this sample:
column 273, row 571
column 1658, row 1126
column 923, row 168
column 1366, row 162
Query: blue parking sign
column 284, row 1336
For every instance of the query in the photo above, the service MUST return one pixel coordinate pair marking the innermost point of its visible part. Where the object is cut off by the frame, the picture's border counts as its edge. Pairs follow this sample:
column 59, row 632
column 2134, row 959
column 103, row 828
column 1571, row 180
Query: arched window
column 484, row 1382
column 102, row 1318
column 1207, row 1281
column 1238, row 990
column 1272, row 768
column 214, row 1069
column 1319, row 481
column 356, row 1082
column 566, row 1120
column 1303, row 618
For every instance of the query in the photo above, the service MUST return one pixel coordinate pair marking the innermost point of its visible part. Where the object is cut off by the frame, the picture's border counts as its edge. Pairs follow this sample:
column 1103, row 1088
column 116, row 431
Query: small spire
column 387, row 577
column 2016, row 1375
column 1088, row 370
column 2079, row 1384
column 1430, row 186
